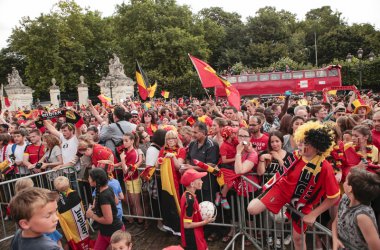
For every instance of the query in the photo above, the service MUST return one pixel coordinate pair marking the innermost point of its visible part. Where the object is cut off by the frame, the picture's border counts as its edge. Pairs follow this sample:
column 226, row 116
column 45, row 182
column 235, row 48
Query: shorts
column 133, row 186
column 274, row 199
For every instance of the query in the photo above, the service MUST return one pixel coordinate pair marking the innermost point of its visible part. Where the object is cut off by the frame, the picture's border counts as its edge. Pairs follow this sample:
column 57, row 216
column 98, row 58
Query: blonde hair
column 61, row 183
column 173, row 133
column 120, row 235
column 28, row 201
column 23, row 183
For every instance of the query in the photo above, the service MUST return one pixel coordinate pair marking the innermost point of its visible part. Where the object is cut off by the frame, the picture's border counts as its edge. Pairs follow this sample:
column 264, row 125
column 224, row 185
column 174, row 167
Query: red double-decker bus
column 277, row 83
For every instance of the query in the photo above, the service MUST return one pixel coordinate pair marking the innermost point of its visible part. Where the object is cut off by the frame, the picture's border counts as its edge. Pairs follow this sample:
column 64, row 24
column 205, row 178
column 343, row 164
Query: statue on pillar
column 14, row 78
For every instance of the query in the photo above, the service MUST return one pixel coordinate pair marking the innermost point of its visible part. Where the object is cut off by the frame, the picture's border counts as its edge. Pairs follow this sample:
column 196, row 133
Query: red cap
column 173, row 248
column 191, row 175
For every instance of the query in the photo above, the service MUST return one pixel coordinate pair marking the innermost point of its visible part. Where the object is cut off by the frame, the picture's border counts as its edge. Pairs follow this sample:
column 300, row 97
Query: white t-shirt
column 69, row 150
column 19, row 155
column 151, row 156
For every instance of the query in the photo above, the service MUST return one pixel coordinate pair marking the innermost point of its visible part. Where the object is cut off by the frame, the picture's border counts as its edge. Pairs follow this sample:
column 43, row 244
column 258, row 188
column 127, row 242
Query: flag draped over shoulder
column 165, row 94
column 142, row 82
column 71, row 215
column 209, row 78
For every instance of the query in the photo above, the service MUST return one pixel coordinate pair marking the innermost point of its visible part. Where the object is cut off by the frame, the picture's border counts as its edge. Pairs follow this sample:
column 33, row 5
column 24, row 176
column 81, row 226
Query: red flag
column 206, row 73
column 165, row 94
column 210, row 78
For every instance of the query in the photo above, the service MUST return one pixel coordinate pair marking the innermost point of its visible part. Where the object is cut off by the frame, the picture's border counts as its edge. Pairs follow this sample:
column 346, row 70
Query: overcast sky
column 364, row 11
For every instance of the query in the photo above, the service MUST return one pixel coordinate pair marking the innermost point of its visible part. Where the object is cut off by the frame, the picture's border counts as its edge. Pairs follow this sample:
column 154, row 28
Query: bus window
column 231, row 79
column 309, row 74
column 333, row 72
column 242, row 78
column 252, row 78
column 297, row 75
column 286, row 76
column 321, row 73
column 264, row 77
column 275, row 76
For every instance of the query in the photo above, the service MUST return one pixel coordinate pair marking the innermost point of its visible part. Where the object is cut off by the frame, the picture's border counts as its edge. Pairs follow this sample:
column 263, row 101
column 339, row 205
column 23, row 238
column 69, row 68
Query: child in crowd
column 192, row 224
column 71, row 213
column 121, row 240
column 104, row 211
column 34, row 210
column 356, row 222
column 25, row 183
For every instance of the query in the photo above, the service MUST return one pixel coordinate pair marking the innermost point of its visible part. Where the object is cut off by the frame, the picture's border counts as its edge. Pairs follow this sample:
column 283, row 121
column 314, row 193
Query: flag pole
column 209, row 97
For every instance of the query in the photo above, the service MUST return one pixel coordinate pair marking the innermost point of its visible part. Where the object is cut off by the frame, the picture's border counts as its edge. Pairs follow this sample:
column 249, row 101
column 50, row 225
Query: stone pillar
column 20, row 96
column 55, row 94
column 82, row 92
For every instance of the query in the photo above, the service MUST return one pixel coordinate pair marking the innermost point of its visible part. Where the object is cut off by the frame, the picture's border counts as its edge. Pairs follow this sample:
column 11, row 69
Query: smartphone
column 245, row 143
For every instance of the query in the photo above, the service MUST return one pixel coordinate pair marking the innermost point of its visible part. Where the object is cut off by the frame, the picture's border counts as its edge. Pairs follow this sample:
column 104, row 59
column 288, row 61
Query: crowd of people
column 319, row 155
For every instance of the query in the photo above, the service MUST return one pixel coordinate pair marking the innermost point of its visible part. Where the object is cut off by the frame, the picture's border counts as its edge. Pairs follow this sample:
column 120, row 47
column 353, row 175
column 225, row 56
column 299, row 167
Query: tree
column 159, row 34
column 63, row 44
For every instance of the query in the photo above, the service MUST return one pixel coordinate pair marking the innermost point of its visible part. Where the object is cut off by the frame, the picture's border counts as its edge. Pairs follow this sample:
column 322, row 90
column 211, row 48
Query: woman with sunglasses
column 149, row 120
column 170, row 159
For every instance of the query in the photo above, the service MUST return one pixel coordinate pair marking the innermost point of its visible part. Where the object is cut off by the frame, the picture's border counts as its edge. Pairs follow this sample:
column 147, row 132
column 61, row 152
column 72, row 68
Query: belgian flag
column 142, row 82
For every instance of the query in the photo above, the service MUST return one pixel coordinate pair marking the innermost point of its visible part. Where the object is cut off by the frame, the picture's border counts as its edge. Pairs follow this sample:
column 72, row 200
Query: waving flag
column 104, row 99
column 7, row 103
column 152, row 90
column 165, row 94
column 209, row 78
column 206, row 73
column 142, row 82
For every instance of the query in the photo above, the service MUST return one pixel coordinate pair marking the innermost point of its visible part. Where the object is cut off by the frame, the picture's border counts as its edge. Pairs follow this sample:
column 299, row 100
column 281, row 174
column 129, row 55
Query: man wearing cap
column 135, row 117
column 360, row 108
column 192, row 235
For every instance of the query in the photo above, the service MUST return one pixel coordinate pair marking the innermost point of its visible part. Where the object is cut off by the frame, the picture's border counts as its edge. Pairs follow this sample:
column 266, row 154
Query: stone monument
column 82, row 92
column 55, row 94
column 116, row 84
column 20, row 96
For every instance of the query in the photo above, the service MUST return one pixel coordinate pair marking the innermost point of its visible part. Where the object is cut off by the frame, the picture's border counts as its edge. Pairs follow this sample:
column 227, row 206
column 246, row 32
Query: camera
column 12, row 157
column 38, row 165
column 245, row 143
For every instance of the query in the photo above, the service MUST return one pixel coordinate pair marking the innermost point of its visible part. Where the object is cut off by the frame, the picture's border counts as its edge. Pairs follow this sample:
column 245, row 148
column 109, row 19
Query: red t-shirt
column 192, row 238
column 131, row 158
column 151, row 129
column 228, row 149
column 326, row 185
column 376, row 138
column 35, row 153
column 252, row 157
column 260, row 143
column 101, row 153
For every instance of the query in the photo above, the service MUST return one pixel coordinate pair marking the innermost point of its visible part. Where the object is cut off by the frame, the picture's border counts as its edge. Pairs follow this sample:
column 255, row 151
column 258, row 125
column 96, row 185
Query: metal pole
column 316, row 49
column 360, row 74
column 111, row 91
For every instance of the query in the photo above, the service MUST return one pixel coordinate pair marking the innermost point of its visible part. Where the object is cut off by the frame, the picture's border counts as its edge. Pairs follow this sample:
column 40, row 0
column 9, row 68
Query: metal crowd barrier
column 7, row 191
column 256, row 229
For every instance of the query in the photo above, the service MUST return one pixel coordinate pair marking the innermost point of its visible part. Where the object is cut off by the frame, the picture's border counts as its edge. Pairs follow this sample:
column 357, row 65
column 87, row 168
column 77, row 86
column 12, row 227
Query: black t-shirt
column 108, row 197
column 275, row 167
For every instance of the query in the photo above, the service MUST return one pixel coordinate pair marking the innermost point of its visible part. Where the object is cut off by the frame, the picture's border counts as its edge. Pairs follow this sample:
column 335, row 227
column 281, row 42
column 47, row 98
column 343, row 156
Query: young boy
column 356, row 222
column 71, row 214
column 121, row 240
column 192, row 235
column 34, row 210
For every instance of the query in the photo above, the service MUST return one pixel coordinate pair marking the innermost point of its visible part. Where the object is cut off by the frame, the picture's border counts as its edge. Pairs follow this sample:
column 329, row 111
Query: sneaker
column 161, row 227
column 270, row 241
column 225, row 204
column 217, row 199
column 278, row 243
column 287, row 240
column 6, row 217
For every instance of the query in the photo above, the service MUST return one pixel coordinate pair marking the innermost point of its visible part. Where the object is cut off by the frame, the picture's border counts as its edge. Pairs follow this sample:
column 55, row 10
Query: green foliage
column 71, row 41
